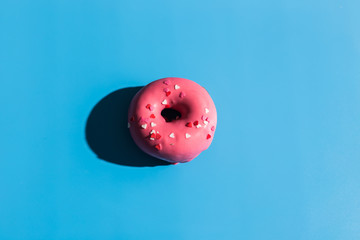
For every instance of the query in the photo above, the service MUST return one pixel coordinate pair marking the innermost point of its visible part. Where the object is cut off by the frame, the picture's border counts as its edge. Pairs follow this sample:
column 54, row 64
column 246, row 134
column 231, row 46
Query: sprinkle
column 208, row 136
column 177, row 117
column 172, row 135
column 187, row 135
column 164, row 102
column 176, row 87
column 144, row 126
column 152, row 136
column 168, row 93
column 152, row 116
column 166, row 82
column 132, row 119
column 158, row 147
column 182, row 95
column 166, row 89
column 203, row 118
column 206, row 110
column 167, row 106
column 151, row 108
column 198, row 126
column 153, row 124
column 146, row 120
column 189, row 124
column 148, row 106
column 213, row 128
column 158, row 136
column 206, row 122
column 128, row 125
column 196, row 123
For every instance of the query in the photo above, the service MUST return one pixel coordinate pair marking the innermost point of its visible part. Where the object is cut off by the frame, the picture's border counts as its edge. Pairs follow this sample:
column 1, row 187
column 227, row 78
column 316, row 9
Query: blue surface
column 285, row 78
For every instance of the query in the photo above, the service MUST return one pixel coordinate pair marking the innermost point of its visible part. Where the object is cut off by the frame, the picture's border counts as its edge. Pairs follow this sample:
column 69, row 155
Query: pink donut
column 173, row 119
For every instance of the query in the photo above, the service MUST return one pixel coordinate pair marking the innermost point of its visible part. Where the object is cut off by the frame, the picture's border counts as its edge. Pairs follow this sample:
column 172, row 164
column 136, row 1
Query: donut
column 173, row 119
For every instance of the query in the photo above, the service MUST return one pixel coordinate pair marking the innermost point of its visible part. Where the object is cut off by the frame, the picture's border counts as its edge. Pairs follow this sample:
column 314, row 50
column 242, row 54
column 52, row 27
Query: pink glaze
column 180, row 140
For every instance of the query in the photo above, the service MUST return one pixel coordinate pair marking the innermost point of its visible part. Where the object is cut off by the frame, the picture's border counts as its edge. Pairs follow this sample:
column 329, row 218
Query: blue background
column 285, row 78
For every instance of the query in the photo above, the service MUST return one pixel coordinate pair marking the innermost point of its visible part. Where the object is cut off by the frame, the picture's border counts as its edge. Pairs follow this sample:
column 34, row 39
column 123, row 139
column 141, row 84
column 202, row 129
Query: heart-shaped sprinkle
column 198, row 126
column 166, row 82
column 187, row 135
column 166, row 89
column 207, row 110
column 172, row 135
column 203, row 118
column 196, row 122
column 206, row 122
column 148, row 106
column 177, row 87
column 144, row 126
column 168, row 93
column 152, row 136
column 158, row 136
column 158, row 147
column 132, row 119
column 152, row 116
column 189, row 124
column 208, row 136
column 213, row 128
column 153, row 124
column 164, row 102
column 167, row 106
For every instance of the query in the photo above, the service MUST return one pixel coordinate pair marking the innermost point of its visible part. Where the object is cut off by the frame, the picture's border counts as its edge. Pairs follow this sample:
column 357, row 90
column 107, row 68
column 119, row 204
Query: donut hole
column 170, row 114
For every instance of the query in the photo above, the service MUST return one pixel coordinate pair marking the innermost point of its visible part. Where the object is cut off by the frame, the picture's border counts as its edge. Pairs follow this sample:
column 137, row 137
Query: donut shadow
column 107, row 134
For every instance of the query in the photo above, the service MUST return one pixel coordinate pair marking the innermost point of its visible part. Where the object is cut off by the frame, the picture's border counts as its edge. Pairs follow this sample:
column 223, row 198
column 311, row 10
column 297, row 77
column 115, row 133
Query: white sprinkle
column 144, row 126
column 206, row 110
column 152, row 131
column 198, row 126
column 152, row 139
column 187, row 135
column 164, row 102
column 172, row 135
column 128, row 125
column 176, row 87
column 153, row 124
column 206, row 122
